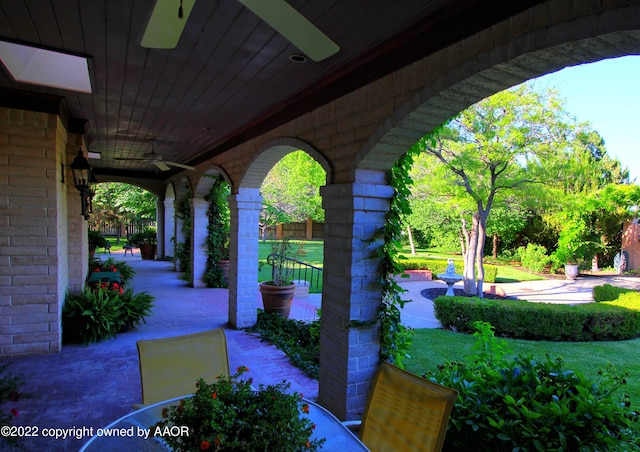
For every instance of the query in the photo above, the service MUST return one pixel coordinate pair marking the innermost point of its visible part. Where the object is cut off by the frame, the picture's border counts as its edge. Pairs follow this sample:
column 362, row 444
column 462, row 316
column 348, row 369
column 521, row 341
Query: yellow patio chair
column 405, row 412
column 170, row 367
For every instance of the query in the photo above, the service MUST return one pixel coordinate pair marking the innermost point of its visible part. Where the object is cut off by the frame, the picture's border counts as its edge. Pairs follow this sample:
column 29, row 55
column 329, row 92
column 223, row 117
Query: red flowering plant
column 125, row 270
column 229, row 415
column 10, row 394
column 105, row 308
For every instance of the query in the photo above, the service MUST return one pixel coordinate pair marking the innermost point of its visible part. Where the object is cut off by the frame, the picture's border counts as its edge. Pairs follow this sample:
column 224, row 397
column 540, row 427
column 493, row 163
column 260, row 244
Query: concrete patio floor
column 90, row 386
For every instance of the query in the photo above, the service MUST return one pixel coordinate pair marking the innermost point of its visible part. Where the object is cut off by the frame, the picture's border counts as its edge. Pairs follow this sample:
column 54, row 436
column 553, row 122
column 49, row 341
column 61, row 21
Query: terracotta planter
column 224, row 268
column 148, row 251
column 277, row 298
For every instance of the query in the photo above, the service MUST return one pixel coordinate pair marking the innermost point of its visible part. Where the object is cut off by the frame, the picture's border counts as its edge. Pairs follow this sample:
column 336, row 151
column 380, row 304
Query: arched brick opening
column 152, row 186
column 272, row 152
column 472, row 72
column 245, row 204
column 434, row 105
column 156, row 189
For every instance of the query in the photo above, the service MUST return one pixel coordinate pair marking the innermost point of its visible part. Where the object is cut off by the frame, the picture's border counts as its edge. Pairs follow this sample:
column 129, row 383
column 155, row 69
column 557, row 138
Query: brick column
column 33, row 231
column 169, row 227
column 180, row 238
column 349, row 356
column 199, row 233
column 160, row 229
column 243, row 257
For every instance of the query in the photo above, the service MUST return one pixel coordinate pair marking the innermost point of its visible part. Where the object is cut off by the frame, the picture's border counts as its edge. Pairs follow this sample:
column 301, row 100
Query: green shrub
column 607, row 292
column 98, row 314
column 618, row 320
column 522, row 404
column 490, row 273
column 96, row 240
column 91, row 316
column 440, row 266
column 534, row 257
column 299, row 340
column 435, row 265
column 135, row 307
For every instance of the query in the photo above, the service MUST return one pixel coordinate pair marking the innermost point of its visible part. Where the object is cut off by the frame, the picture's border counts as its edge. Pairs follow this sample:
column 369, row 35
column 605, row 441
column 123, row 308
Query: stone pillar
column 169, row 226
column 180, row 238
column 199, row 233
column 160, row 229
column 34, row 263
column 349, row 355
column 243, row 256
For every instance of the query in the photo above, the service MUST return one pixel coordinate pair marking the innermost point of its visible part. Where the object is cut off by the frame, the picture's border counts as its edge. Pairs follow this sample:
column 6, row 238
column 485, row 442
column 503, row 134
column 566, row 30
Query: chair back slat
column 405, row 412
column 170, row 367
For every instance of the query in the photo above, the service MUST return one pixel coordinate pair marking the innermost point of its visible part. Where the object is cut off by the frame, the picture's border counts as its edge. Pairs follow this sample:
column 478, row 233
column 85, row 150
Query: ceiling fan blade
column 294, row 26
column 164, row 27
column 161, row 165
column 180, row 165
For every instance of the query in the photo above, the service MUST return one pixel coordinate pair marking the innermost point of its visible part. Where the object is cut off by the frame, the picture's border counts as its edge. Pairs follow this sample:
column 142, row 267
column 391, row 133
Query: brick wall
column 631, row 244
column 31, row 146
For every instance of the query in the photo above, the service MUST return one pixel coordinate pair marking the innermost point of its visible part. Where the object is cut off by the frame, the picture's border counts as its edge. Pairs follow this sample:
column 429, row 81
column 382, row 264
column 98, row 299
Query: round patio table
column 128, row 432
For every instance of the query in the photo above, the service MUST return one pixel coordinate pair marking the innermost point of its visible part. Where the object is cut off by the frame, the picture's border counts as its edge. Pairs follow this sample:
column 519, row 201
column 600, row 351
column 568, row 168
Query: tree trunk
column 482, row 237
column 495, row 245
column 411, row 244
column 470, row 258
column 464, row 237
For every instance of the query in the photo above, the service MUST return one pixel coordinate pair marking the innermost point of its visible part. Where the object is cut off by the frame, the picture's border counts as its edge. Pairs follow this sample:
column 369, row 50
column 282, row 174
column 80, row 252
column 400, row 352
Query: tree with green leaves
column 590, row 225
column 485, row 153
column 291, row 191
column 118, row 203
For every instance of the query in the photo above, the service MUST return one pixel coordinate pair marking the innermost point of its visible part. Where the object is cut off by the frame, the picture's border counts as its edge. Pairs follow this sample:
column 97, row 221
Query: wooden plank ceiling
column 230, row 76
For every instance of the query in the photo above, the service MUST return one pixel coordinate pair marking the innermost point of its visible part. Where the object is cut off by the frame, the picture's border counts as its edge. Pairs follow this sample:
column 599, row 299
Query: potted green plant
column 147, row 241
column 576, row 244
column 230, row 415
column 277, row 293
column 96, row 240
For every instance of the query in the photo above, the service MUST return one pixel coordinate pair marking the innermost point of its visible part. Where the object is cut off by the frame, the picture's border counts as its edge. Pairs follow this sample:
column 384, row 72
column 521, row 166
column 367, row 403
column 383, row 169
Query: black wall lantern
column 81, row 171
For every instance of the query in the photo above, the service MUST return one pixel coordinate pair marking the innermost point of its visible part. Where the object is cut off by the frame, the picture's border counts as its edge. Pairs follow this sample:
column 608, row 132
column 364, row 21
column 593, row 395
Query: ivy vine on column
column 218, row 233
column 183, row 249
column 395, row 338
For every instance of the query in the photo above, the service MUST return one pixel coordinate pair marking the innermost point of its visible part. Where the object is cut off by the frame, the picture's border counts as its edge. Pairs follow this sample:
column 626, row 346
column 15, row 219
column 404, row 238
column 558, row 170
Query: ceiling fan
column 157, row 160
column 169, row 17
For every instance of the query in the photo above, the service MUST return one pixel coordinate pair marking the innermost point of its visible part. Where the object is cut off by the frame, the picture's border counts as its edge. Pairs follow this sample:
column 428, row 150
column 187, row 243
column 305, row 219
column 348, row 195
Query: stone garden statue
column 451, row 269
column 450, row 277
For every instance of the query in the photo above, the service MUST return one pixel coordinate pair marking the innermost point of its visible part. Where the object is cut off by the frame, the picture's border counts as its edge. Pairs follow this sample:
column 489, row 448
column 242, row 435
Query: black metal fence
column 296, row 270
column 113, row 229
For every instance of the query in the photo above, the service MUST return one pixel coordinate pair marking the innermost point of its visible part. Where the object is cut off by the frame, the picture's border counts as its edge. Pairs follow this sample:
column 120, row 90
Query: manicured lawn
column 432, row 347
column 311, row 252
column 114, row 246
